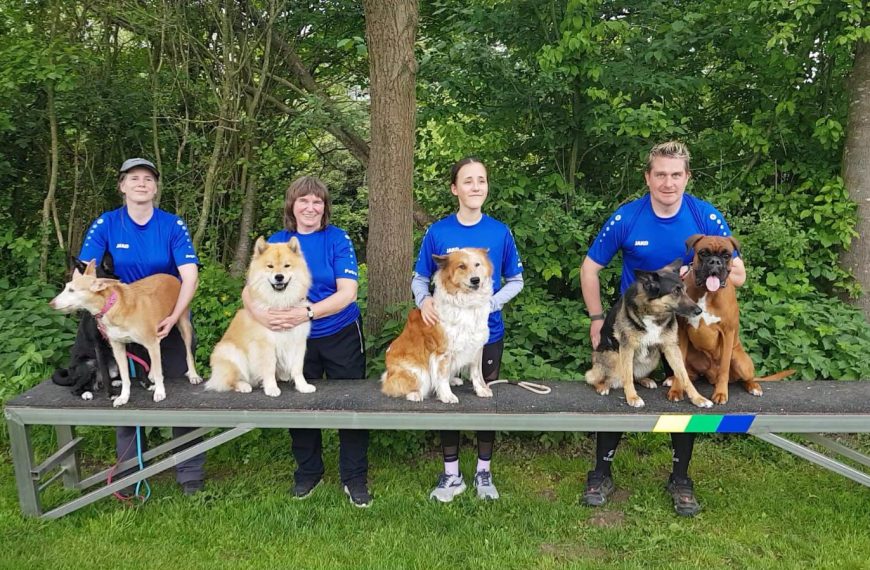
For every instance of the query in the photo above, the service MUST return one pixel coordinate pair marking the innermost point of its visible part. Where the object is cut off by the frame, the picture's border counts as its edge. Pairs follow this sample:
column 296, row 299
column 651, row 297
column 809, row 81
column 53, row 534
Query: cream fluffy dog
column 250, row 353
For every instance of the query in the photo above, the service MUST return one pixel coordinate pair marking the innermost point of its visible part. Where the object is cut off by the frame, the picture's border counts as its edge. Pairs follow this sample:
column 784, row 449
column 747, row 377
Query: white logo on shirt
column 641, row 242
column 451, row 249
column 350, row 271
column 122, row 246
column 188, row 256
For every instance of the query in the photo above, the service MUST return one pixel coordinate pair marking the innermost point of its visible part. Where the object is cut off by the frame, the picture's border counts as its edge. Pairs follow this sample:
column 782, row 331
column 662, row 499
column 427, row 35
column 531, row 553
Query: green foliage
column 34, row 339
column 217, row 299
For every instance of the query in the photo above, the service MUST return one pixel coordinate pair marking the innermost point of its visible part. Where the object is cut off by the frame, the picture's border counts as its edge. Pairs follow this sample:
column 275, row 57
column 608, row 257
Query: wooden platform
column 809, row 408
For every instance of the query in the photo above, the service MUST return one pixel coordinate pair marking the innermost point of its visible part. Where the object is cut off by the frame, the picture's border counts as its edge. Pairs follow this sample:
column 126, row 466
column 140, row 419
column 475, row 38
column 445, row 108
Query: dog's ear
column 100, row 284
column 673, row 266
column 294, row 245
column 734, row 242
column 90, row 268
column 77, row 264
column 260, row 246
column 693, row 239
column 107, row 266
column 441, row 260
column 648, row 280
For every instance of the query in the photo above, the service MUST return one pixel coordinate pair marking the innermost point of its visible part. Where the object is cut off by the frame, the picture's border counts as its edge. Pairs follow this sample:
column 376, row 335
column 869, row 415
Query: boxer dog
column 710, row 342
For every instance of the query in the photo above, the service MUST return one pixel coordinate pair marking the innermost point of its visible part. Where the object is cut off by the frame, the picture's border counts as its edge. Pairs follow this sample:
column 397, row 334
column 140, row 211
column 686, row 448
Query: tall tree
column 856, row 171
column 391, row 29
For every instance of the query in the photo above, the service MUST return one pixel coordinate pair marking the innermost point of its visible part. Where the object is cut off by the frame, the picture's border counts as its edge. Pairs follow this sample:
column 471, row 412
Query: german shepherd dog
column 91, row 365
column 637, row 330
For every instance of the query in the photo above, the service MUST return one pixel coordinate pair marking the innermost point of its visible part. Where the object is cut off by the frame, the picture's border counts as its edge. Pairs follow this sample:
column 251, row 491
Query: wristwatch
column 310, row 313
column 597, row 317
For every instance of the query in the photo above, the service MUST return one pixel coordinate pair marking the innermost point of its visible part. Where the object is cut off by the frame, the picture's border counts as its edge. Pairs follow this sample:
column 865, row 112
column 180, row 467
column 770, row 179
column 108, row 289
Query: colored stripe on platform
column 704, row 424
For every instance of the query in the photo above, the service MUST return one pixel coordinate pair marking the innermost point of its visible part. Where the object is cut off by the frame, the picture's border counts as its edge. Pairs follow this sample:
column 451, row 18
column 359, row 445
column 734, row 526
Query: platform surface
column 810, row 406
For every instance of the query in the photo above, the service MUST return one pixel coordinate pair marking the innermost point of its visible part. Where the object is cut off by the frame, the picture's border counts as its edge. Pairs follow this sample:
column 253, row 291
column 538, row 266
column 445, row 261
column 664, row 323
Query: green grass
column 763, row 508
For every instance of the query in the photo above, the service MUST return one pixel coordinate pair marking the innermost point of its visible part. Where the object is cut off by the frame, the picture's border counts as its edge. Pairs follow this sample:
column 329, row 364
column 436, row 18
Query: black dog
column 92, row 364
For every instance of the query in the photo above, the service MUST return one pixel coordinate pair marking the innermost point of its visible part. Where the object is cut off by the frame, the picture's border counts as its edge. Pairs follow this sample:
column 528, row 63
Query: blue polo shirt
column 649, row 242
column 330, row 256
column 448, row 234
column 161, row 245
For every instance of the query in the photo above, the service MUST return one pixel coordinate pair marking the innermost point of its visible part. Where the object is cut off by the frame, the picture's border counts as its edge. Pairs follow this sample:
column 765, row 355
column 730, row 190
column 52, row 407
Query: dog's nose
column 715, row 262
column 696, row 310
column 279, row 277
column 475, row 280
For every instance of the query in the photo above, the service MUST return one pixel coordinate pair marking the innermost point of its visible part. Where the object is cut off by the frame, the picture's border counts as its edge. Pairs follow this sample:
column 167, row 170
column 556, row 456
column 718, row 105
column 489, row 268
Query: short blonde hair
column 305, row 186
column 670, row 149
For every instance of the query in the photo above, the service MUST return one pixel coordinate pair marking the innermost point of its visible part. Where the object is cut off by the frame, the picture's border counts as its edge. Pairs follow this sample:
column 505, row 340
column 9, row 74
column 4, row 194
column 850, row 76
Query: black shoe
column 682, row 491
column 358, row 492
column 192, row 487
column 598, row 487
column 303, row 489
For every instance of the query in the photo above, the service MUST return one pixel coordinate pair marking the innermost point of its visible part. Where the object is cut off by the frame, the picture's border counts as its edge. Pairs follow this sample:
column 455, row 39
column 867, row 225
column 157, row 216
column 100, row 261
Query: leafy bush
column 217, row 299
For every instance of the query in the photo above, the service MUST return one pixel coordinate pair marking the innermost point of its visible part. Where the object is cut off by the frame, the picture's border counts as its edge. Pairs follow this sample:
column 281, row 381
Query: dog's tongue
column 713, row 283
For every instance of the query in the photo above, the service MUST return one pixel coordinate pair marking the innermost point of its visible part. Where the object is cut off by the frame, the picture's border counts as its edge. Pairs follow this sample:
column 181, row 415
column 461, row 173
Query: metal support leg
column 848, row 452
column 70, row 464
column 22, row 458
column 158, row 467
column 815, row 457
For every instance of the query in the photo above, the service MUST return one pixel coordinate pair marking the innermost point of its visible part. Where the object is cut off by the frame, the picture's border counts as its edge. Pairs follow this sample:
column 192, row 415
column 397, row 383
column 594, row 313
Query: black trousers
column 340, row 356
column 492, row 353
column 174, row 360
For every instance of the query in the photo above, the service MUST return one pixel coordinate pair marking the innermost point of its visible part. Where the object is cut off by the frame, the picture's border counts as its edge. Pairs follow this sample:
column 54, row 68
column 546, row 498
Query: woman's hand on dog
column 595, row 332
column 427, row 308
column 166, row 325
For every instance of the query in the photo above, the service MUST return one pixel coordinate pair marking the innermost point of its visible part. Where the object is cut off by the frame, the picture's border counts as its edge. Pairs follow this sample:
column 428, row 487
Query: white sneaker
column 485, row 488
column 448, row 487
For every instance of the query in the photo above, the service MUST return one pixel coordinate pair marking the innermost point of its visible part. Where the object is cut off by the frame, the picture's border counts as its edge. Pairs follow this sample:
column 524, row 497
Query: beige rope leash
column 530, row 386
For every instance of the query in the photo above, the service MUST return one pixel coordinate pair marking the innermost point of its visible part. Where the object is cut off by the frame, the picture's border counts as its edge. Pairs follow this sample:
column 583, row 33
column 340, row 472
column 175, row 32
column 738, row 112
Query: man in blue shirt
column 650, row 232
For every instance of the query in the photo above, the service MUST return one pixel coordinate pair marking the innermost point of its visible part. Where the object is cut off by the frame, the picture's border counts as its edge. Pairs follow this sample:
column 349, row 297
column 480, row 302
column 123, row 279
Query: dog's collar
column 110, row 302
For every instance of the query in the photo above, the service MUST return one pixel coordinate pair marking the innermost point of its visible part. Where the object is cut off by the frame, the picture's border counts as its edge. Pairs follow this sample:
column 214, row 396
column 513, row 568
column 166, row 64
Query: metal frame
column 238, row 422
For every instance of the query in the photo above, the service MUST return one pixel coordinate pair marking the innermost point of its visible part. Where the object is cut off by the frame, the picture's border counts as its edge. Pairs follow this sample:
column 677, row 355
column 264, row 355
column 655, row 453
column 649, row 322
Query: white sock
column 482, row 465
column 451, row 467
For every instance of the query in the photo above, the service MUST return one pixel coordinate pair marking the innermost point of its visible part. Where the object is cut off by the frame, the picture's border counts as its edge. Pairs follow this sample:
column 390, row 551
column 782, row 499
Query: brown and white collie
column 425, row 359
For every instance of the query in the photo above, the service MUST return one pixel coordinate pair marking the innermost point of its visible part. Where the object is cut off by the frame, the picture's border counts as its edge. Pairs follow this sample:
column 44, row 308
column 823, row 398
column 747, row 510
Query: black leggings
column 485, row 439
column 606, row 443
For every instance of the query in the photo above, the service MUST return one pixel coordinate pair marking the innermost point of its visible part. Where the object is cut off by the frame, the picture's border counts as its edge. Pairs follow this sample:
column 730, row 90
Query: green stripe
column 704, row 424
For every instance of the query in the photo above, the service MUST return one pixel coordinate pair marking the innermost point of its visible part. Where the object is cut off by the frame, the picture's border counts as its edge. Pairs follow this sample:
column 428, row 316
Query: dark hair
column 305, row 186
column 454, row 171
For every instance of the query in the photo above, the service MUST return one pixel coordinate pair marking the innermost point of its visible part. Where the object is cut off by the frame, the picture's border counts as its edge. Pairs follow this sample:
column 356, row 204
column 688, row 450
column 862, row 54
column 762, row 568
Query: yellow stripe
column 673, row 424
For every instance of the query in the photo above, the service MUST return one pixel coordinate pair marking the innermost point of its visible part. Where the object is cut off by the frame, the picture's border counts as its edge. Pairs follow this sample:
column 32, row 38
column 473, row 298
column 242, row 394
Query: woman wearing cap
column 144, row 240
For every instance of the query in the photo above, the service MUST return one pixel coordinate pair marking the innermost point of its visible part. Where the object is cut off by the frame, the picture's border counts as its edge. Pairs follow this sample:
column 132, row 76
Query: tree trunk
column 246, row 224
column 391, row 29
column 48, row 203
column 856, row 172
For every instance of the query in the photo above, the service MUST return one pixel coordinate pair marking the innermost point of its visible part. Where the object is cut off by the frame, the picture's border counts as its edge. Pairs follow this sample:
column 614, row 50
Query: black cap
column 132, row 163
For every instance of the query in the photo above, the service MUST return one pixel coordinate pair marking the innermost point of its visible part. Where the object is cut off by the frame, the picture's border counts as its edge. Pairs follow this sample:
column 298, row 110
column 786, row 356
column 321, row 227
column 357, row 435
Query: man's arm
column 590, row 286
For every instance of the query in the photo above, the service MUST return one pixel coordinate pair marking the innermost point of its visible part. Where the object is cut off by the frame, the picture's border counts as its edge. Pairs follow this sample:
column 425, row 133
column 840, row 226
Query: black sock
column 683, row 444
column 605, row 449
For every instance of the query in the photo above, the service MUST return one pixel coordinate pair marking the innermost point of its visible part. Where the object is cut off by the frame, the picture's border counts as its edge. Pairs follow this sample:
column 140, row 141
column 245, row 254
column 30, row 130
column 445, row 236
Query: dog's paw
column 485, row 392
column 159, row 395
column 449, row 398
column 116, row 383
column 120, row 401
column 602, row 389
column 414, row 397
column 194, row 379
column 703, row 402
column 456, row 381
column 648, row 383
column 635, row 402
column 87, row 396
column 273, row 391
column 669, row 381
column 720, row 397
column 675, row 395
column 243, row 388
column 756, row 391
column 305, row 388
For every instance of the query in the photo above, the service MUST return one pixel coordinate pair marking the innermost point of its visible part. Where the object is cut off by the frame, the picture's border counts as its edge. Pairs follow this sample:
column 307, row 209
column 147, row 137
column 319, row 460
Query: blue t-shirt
column 330, row 256
column 447, row 235
column 161, row 245
column 649, row 242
